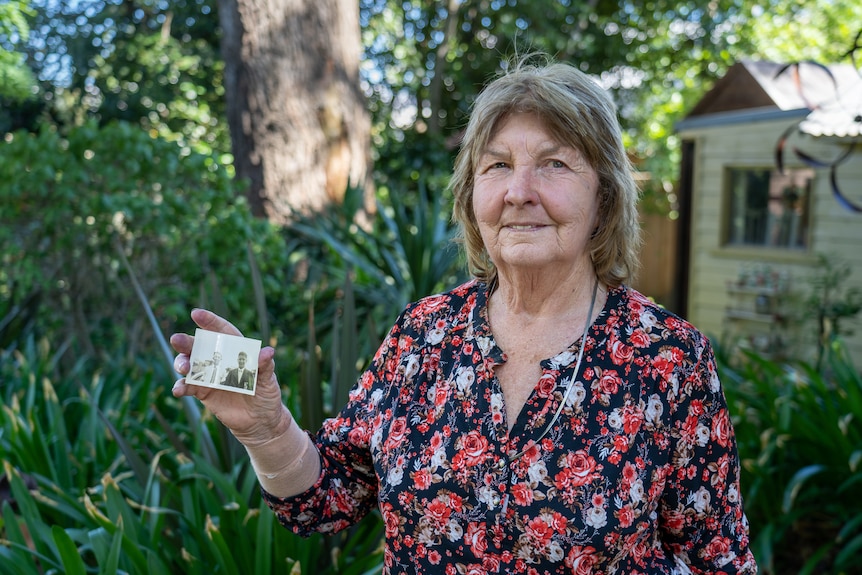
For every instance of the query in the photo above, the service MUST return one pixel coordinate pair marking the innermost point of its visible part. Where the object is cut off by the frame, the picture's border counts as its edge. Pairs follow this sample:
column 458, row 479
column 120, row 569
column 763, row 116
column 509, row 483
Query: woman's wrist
column 287, row 463
column 264, row 433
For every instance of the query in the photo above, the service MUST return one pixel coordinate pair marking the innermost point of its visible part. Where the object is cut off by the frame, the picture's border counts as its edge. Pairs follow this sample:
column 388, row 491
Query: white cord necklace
column 569, row 385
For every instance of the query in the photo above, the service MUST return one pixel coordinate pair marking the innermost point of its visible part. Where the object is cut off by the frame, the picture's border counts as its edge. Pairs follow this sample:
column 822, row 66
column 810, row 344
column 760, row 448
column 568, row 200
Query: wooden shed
column 771, row 180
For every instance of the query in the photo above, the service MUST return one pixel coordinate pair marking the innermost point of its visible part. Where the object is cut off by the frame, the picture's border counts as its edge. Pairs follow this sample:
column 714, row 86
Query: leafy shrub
column 799, row 432
column 405, row 252
column 103, row 475
column 77, row 204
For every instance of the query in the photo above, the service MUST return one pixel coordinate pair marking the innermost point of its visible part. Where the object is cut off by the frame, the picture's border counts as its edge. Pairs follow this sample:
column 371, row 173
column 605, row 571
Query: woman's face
column 535, row 200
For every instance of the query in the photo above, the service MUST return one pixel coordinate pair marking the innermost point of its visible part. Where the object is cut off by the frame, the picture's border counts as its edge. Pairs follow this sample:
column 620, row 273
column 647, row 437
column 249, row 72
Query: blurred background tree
column 159, row 63
column 299, row 124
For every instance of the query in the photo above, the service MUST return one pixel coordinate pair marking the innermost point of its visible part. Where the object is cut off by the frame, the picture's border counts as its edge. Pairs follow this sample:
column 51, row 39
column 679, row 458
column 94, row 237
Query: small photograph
column 224, row 361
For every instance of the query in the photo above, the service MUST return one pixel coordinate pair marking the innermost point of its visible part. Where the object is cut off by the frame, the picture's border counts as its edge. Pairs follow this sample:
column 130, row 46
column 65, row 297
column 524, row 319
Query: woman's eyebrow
column 545, row 150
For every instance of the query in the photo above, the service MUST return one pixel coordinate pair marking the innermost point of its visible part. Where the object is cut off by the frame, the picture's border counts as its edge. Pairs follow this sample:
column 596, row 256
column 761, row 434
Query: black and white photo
column 224, row 361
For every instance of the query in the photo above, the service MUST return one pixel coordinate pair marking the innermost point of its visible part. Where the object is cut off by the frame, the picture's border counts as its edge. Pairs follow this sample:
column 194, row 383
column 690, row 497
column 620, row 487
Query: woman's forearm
column 287, row 464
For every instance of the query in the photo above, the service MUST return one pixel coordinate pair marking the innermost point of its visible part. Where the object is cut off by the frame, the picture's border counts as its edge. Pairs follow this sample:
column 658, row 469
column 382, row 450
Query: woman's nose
column 521, row 187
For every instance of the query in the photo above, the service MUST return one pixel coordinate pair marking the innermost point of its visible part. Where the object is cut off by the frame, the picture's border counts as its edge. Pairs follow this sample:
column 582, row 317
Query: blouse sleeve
column 347, row 487
column 702, row 523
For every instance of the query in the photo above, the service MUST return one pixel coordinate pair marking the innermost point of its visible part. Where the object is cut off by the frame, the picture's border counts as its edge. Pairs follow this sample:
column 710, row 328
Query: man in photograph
column 208, row 370
column 240, row 376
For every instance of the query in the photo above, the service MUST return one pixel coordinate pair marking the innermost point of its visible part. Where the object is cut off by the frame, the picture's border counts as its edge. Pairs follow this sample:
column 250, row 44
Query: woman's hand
column 253, row 419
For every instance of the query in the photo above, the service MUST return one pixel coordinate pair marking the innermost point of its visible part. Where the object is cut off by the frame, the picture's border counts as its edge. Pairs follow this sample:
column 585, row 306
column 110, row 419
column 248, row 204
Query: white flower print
column 702, row 435
column 732, row 493
column 615, row 419
column 577, row 395
column 435, row 335
column 701, row 500
column 412, row 367
column 636, row 492
column 537, row 472
column 395, row 475
column 596, row 517
column 464, row 378
column 654, row 409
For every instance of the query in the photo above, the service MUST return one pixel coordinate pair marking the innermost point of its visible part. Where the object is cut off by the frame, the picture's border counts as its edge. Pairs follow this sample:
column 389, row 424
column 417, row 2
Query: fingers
column 182, row 365
column 182, row 342
column 265, row 362
column 182, row 389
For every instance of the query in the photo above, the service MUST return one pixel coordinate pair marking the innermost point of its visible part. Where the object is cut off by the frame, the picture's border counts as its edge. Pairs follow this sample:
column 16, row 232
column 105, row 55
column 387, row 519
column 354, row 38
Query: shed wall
column 835, row 231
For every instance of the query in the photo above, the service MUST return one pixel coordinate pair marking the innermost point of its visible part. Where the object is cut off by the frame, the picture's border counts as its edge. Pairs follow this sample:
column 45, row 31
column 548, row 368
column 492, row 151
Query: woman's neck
column 540, row 297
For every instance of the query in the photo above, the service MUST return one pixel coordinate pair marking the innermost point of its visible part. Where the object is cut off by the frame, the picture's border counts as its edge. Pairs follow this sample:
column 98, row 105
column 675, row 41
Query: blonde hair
column 578, row 113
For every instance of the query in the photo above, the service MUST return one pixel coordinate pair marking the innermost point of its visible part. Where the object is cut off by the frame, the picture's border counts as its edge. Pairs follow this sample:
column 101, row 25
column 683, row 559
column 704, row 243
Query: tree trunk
column 450, row 27
column 299, row 125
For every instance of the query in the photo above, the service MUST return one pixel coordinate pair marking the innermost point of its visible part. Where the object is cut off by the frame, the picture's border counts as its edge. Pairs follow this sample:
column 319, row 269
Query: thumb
column 209, row 321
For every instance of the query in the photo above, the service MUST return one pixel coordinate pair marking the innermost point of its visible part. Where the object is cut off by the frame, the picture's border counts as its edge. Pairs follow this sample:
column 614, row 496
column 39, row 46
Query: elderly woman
column 541, row 418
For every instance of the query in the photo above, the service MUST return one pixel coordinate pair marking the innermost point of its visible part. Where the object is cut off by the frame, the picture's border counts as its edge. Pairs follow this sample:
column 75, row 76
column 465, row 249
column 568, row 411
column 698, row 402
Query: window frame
column 726, row 232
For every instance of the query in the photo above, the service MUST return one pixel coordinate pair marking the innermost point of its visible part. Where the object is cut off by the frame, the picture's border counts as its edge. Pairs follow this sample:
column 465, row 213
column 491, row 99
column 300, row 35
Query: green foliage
column 93, row 487
column 75, row 204
column 157, row 64
column 17, row 81
column 406, row 252
column 830, row 302
column 798, row 31
column 152, row 63
column 799, row 432
column 425, row 64
column 350, row 278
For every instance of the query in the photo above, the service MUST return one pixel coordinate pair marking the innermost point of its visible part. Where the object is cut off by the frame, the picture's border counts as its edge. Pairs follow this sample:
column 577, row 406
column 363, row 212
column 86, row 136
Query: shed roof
column 832, row 99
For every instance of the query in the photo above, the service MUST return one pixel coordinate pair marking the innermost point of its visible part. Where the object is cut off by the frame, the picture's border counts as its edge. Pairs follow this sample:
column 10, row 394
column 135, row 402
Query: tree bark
column 450, row 27
column 300, row 129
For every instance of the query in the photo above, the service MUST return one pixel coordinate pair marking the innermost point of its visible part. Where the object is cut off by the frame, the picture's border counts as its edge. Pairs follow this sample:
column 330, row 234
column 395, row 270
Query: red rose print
column 578, row 469
column 581, row 560
column 546, row 385
column 421, row 478
column 620, row 352
column 633, row 417
column 523, row 494
column 609, row 382
column 721, row 428
column 397, row 432
column 475, row 538
column 640, row 338
column 540, row 533
column 718, row 547
column 626, row 515
column 474, row 447
column 438, row 512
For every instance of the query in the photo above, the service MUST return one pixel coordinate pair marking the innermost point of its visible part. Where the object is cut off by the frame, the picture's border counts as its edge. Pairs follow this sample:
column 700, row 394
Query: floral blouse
column 638, row 475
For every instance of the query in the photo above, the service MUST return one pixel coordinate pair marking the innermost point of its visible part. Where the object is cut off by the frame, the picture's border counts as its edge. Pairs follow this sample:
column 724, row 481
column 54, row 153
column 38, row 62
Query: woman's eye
column 557, row 164
column 494, row 166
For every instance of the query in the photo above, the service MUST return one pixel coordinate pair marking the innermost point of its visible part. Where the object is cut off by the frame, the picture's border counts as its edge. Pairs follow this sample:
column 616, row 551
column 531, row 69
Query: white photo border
column 216, row 355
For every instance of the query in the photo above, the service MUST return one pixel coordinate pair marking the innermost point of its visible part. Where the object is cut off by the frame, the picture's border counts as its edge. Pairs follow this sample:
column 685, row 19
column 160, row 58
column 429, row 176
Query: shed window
column 768, row 209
